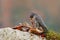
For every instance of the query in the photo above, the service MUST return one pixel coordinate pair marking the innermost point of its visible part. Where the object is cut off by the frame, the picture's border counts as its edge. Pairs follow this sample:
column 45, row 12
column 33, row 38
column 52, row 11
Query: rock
column 11, row 34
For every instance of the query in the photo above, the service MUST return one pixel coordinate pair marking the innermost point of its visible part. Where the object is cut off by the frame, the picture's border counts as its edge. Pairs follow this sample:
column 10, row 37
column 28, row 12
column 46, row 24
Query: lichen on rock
column 11, row 34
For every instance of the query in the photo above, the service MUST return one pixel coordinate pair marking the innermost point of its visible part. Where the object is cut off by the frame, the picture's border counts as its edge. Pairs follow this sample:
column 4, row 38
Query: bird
column 38, row 22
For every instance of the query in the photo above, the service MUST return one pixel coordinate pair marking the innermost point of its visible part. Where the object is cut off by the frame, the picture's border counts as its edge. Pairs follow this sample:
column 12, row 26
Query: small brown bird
column 27, row 28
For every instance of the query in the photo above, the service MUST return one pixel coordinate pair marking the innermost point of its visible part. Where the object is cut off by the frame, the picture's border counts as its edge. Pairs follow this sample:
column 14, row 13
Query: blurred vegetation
column 52, row 35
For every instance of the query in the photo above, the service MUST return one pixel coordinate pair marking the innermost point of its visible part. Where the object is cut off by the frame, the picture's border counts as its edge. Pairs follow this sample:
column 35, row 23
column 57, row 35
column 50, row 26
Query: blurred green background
column 12, row 12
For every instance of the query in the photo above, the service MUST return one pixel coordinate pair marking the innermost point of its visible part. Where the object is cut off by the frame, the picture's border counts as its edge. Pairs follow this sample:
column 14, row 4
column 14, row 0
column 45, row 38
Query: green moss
column 51, row 35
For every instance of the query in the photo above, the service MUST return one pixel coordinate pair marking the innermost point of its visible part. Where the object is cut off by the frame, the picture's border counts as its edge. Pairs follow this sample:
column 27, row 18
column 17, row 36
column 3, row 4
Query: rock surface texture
column 11, row 34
